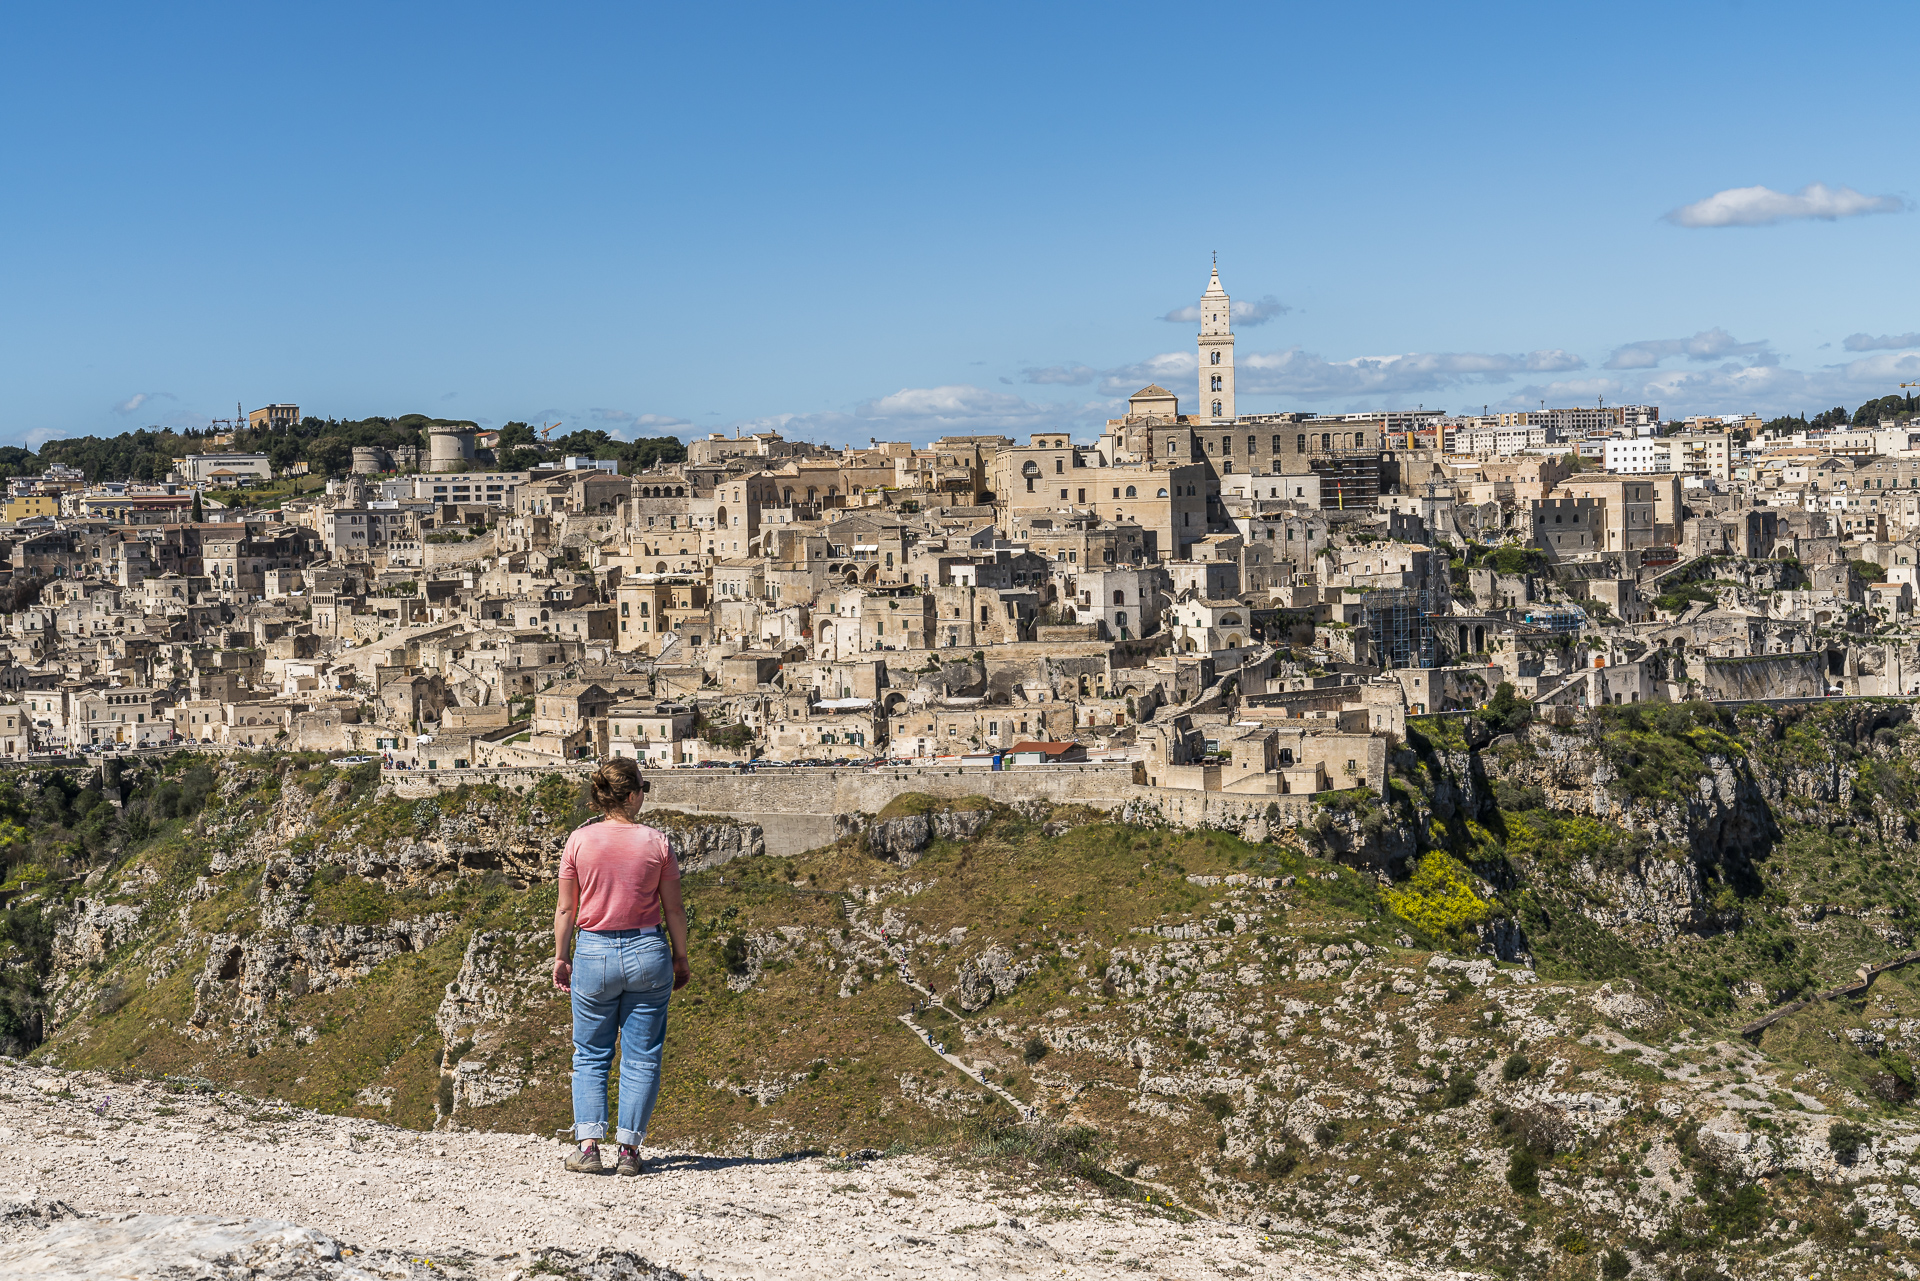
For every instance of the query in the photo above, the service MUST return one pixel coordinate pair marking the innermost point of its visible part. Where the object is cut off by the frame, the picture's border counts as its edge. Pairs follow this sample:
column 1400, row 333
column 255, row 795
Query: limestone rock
column 902, row 840
column 166, row 1247
column 995, row 972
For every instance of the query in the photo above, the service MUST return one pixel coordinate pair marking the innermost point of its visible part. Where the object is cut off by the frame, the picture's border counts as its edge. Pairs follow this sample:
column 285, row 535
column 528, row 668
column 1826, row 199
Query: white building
column 1642, row 455
column 225, row 469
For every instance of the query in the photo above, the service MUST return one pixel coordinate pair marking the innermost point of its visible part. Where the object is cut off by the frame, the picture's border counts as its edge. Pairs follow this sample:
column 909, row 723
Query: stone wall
column 795, row 809
column 1774, row 676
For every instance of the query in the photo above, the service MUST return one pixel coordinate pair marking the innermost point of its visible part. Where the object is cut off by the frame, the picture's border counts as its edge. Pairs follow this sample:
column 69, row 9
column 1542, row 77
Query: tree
column 1893, row 407
column 199, row 512
column 1506, row 712
column 330, row 456
column 1835, row 417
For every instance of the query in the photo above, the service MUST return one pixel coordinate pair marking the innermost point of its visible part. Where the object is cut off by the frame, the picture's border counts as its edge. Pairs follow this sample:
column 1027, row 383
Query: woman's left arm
column 675, row 913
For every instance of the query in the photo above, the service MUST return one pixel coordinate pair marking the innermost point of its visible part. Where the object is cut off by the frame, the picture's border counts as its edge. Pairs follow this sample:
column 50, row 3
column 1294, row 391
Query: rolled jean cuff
column 630, row 1138
column 589, row 1130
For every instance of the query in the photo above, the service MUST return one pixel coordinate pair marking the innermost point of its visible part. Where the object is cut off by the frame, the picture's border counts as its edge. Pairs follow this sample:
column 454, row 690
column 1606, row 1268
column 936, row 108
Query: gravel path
column 495, row 1205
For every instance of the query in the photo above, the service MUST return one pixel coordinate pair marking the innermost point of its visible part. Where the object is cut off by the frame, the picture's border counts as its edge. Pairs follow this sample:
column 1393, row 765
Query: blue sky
column 900, row 221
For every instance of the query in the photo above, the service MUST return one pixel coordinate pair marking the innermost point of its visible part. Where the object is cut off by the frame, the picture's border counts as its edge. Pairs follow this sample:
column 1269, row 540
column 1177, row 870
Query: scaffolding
column 1349, row 478
column 1401, row 628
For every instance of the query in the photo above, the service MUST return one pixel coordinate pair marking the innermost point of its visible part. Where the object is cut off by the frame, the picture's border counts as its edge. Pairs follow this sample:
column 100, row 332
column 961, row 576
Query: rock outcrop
column 903, row 840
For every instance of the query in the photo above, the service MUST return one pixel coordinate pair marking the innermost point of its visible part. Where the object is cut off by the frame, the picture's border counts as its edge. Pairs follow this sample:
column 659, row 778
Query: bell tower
column 1216, row 350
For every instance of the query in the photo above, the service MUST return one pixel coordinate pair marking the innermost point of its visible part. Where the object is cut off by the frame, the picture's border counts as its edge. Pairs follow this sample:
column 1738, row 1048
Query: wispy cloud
column 1245, row 314
column 1302, row 373
column 921, row 414
column 617, row 421
column 132, row 404
column 1761, row 206
column 1708, row 344
column 1881, row 342
column 1061, row 375
column 1768, row 388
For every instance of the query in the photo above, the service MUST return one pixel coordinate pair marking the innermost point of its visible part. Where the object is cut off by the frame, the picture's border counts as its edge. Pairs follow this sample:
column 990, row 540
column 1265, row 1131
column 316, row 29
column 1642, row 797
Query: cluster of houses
column 1248, row 604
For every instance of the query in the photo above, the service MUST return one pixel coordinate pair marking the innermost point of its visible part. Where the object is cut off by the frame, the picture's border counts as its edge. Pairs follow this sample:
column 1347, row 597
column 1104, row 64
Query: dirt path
column 495, row 1205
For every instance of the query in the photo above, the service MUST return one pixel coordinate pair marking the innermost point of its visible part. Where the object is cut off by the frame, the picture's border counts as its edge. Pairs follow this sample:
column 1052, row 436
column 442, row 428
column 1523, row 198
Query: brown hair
column 615, row 782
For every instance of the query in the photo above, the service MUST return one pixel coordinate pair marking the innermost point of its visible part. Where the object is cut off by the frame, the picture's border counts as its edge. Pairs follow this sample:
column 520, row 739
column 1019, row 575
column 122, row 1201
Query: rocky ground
column 128, row 1179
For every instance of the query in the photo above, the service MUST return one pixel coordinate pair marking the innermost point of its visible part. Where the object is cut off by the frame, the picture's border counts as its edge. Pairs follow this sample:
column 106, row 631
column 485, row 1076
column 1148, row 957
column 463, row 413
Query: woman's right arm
column 563, row 914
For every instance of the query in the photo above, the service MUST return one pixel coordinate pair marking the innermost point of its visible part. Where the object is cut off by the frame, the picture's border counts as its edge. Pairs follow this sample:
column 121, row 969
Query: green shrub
column 1035, row 1050
column 1615, row 1266
column 1460, row 1089
column 1845, row 1138
column 1523, row 1172
column 1516, row 1066
column 1506, row 712
column 734, row 954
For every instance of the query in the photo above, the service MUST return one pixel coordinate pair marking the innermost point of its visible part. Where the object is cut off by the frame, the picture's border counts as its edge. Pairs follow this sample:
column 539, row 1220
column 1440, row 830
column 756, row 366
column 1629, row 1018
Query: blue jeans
column 621, row 982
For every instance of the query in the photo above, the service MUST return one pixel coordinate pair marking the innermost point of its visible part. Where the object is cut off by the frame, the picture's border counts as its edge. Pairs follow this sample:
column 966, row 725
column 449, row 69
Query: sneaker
column 585, row 1159
column 629, row 1161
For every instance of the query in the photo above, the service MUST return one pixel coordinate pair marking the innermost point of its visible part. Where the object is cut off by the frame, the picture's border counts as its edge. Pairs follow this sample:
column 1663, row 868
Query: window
column 1215, row 358
column 1083, row 496
column 1216, row 383
column 1173, row 446
column 1216, row 409
column 1059, row 466
column 1326, row 441
column 1130, row 491
column 1119, row 597
column 1162, row 493
column 1029, row 484
column 1277, row 445
column 1226, row 444
column 1253, row 443
column 1063, row 495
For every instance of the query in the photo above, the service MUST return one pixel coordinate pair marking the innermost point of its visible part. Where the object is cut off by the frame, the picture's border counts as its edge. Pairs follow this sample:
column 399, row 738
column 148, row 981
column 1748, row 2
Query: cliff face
column 1648, row 826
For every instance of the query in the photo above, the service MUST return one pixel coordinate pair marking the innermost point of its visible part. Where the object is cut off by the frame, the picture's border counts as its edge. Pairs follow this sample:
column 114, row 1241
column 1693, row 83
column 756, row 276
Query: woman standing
column 620, row 888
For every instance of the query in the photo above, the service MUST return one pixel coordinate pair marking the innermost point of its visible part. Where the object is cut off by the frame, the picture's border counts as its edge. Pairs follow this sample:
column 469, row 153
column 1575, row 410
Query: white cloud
column 1245, row 314
column 1708, row 344
column 1881, row 342
column 1761, row 206
column 131, row 405
column 1062, row 375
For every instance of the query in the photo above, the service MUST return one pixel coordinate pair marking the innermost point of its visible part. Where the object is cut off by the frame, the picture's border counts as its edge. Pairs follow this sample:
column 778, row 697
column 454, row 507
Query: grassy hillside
column 1308, row 1030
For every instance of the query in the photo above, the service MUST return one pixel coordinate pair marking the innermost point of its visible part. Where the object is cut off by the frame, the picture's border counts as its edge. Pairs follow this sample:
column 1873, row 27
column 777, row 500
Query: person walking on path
column 620, row 948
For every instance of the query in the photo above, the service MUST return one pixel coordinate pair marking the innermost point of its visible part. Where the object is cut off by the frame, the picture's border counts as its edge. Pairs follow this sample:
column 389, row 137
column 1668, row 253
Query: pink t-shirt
column 620, row 868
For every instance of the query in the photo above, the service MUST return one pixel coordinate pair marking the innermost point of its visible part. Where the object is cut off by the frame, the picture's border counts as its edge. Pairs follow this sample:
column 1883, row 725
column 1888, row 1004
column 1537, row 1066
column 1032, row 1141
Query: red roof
column 1051, row 749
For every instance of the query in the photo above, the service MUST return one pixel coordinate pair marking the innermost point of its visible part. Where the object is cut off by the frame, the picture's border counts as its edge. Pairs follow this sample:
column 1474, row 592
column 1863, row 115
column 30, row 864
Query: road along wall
column 795, row 808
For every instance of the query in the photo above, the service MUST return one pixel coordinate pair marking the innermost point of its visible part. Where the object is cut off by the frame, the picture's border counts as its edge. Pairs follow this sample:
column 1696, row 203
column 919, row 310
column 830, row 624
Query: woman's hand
column 682, row 973
column 563, row 975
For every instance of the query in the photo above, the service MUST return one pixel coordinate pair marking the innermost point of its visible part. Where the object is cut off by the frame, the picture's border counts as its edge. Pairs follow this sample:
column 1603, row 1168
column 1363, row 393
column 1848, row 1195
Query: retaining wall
column 795, row 807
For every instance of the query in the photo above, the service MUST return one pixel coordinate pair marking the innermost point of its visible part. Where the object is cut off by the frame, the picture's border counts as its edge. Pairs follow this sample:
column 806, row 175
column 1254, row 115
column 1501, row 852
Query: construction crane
column 547, row 431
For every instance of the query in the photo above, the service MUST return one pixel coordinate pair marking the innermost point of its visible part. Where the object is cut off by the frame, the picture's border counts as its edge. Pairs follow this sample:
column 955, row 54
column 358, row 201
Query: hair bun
column 615, row 783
